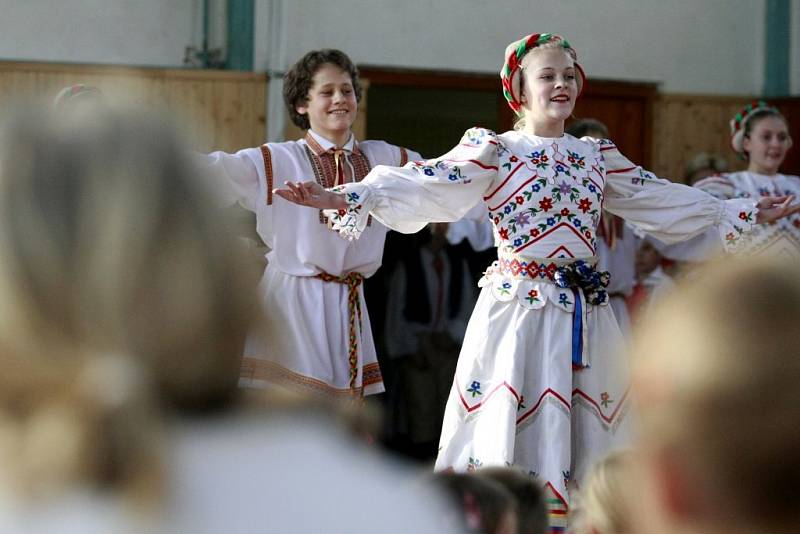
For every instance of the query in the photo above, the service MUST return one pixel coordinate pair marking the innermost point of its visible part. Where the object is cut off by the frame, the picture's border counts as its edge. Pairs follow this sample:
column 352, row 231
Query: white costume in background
column 317, row 336
column 616, row 253
column 516, row 399
column 475, row 227
column 781, row 238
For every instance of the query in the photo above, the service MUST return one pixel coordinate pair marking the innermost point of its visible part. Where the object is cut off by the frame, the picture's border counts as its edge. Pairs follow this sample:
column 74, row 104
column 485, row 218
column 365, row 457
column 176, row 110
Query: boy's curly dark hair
column 298, row 81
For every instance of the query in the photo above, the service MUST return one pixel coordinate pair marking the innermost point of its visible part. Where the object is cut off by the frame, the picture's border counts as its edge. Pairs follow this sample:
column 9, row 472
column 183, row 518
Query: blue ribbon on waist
column 577, row 330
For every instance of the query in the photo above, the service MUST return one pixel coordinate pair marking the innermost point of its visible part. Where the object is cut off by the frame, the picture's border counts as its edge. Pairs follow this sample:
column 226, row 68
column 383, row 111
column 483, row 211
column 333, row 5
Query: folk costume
column 318, row 335
column 540, row 384
column 781, row 238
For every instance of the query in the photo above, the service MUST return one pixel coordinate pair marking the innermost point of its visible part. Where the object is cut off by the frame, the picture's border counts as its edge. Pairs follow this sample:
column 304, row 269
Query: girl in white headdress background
column 760, row 135
column 539, row 383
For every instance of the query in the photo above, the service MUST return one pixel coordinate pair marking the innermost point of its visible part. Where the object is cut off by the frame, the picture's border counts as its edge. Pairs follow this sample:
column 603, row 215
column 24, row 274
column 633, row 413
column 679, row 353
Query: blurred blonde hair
column 116, row 275
column 716, row 370
column 604, row 504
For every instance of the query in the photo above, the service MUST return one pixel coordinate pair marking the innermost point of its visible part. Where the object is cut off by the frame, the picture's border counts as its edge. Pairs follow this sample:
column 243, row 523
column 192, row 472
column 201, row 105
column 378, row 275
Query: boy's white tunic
column 306, row 337
column 516, row 399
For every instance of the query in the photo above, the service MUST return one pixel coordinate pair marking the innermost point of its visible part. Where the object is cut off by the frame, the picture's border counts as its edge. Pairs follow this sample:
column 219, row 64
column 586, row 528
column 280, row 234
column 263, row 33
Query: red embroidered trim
column 267, row 154
column 324, row 169
column 403, row 156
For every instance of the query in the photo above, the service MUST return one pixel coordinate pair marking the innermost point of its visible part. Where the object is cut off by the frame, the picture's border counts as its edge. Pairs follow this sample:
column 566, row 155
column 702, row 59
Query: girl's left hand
column 770, row 209
column 311, row 194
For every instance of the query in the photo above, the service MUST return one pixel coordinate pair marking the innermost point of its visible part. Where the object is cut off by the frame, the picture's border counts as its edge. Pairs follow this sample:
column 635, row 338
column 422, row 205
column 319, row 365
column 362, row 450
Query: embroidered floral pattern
column 643, row 177
column 533, row 296
column 576, row 160
column 349, row 222
column 539, row 159
column 734, row 233
column 473, row 464
column 605, row 399
column 505, row 288
column 475, row 388
column 433, row 168
column 557, row 189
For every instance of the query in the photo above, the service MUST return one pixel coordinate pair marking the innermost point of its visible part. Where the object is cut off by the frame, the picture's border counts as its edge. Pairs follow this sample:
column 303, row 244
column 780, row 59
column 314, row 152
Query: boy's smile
column 331, row 105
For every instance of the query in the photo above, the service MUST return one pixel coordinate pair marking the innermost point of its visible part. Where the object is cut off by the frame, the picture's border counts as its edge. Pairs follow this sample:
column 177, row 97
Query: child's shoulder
column 602, row 144
column 383, row 153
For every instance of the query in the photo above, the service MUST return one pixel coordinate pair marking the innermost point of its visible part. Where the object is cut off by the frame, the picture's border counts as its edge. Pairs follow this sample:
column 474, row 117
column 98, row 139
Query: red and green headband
column 739, row 122
column 513, row 63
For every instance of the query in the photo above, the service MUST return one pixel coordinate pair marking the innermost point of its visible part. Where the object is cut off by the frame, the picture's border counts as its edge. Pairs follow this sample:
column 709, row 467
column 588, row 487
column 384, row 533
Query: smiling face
column 331, row 106
column 767, row 144
column 549, row 90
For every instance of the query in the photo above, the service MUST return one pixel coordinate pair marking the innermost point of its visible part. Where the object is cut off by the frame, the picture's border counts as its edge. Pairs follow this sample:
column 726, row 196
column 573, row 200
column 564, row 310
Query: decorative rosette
column 584, row 276
column 350, row 222
column 736, row 219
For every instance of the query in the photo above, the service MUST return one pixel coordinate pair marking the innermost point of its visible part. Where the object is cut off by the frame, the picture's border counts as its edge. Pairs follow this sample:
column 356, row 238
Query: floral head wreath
column 739, row 122
column 510, row 73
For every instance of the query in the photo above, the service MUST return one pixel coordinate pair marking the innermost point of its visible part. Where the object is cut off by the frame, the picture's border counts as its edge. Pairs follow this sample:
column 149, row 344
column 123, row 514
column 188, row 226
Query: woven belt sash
column 352, row 281
column 580, row 276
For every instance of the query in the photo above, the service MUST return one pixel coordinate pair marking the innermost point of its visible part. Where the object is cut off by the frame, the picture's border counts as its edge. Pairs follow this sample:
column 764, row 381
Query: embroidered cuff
column 737, row 217
column 350, row 222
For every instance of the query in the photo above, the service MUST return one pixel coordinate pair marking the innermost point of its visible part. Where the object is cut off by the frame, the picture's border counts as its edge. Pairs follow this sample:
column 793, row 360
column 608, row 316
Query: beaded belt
column 352, row 281
column 587, row 285
column 524, row 267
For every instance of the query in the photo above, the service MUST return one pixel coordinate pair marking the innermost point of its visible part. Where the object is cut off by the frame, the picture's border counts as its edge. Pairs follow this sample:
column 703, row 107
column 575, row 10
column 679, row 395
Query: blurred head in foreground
column 120, row 291
column 531, row 506
column 606, row 498
column 716, row 369
column 484, row 504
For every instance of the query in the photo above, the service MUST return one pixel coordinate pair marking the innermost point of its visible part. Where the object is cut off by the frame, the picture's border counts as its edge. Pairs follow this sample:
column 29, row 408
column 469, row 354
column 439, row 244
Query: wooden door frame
column 451, row 79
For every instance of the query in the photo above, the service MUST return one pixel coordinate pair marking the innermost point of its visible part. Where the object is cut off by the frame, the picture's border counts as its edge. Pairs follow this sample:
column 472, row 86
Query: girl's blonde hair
column 121, row 290
column 716, row 373
column 604, row 504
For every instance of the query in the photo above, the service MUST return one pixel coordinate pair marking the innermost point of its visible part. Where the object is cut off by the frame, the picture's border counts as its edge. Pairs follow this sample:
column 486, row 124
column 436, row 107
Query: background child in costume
column 430, row 297
column 715, row 374
column 760, row 135
column 703, row 165
column 321, row 339
column 539, row 382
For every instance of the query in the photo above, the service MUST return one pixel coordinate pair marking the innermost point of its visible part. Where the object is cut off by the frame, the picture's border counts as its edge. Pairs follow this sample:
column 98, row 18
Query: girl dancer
column 539, row 382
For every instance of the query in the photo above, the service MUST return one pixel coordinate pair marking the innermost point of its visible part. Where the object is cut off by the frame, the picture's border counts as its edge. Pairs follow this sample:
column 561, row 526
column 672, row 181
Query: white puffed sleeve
column 438, row 190
column 668, row 211
column 234, row 176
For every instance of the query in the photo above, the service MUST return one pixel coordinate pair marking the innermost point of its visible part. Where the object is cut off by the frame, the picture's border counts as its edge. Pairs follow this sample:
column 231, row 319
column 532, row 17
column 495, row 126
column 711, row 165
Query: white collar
column 326, row 145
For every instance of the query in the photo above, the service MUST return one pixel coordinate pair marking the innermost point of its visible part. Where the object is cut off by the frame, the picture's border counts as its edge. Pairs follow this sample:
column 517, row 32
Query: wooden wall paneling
column 626, row 108
column 218, row 109
column 685, row 125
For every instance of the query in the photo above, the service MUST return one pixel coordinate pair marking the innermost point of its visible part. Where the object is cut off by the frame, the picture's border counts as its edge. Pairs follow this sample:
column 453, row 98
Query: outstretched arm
column 407, row 198
column 673, row 212
column 312, row 194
